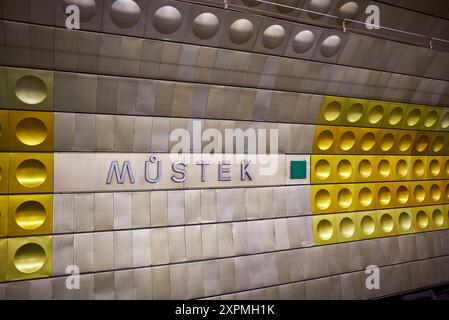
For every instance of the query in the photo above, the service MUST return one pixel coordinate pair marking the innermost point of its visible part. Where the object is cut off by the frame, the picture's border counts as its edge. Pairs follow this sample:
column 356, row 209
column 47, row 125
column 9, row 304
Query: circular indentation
column 368, row 225
column 438, row 217
column 322, row 169
column 325, row 230
column 31, row 131
column 30, row 90
column 386, row 223
column 413, row 117
column 332, row 111
column 446, row 192
column 402, row 194
column 88, row 8
column 205, row 25
column 402, row 168
column 375, row 114
column 348, row 10
column 446, row 167
column 422, row 143
column 30, row 215
column 405, row 221
column 365, row 197
column 325, row 140
column 167, row 19
column 29, row 258
column 125, row 13
column 434, row 167
column 384, row 196
column 395, row 116
column 438, row 144
column 355, row 113
column 31, row 173
column 303, row 41
column 387, row 142
column 330, row 46
column 344, row 198
column 435, row 192
column 419, row 193
column 347, row 141
column 347, row 227
column 365, row 168
column 384, row 168
column 430, row 119
column 241, row 31
column 273, row 36
column 405, row 142
column 344, row 169
column 318, row 6
column 445, row 121
column 419, row 168
column 323, row 199
column 422, row 219
column 368, row 141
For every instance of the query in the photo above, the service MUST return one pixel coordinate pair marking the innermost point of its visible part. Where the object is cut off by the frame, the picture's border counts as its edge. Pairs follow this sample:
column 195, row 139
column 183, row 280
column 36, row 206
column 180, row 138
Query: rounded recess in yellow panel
column 332, row 110
column 321, row 166
column 367, row 140
column 4, row 173
column 3, row 215
column 365, row 196
column 430, row 118
column 439, row 141
column 435, row 167
column 4, row 129
column 384, row 168
column 421, row 219
column 405, row 141
column 325, row 139
column 384, row 195
column 31, row 173
column 386, row 222
column 402, row 168
column 413, row 117
column 438, row 218
column 344, row 169
column 375, row 114
column 444, row 121
column 347, row 139
column 402, row 194
column 346, row 227
column 365, row 169
column 322, row 198
column 31, row 130
column 419, row 167
column 345, row 198
column 29, row 258
column 395, row 115
column 422, row 142
column 30, row 215
column 404, row 220
column 445, row 187
column 324, row 229
column 419, row 194
column 356, row 111
column 367, row 224
column 435, row 192
column 387, row 142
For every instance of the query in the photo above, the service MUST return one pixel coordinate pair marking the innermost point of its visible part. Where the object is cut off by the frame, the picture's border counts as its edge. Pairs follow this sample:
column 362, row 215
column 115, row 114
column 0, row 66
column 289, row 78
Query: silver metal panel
column 88, row 54
column 63, row 213
column 231, row 17
column 239, row 234
column 142, row 134
column 66, row 49
column 270, row 271
column 208, row 206
column 103, row 211
column 93, row 24
column 159, row 205
column 131, row 57
column 281, row 229
column 59, row 289
column 194, row 248
column 210, row 241
column 143, row 288
column 63, row 246
column 124, row 285
column 225, row 240
column 141, row 209
column 159, row 246
column 177, row 244
column 267, row 236
column 254, row 234
column 17, row 40
column 141, row 248
column 83, row 212
column 110, row 50
column 124, row 128
column 123, row 249
column 64, row 131
column 176, row 202
column 195, row 280
column 145, row 102
column 103, row 251
column 104, row 132
column 192, row 203
column 171, row 54
column 210, row 39
column 42, row 46
column 84, row 251
column 187, row 62
column 211, row 278
column 123, row 210
column 104, row 285
column 18, row 290
column 64, row 91
column 224, row 205
column 161, row 283
column 107, row 94
column 255, row 263
column 151, row 58
column 127, row 95
column 178, row 282
column 160, row 134
column 281, row 47
column 86, row 93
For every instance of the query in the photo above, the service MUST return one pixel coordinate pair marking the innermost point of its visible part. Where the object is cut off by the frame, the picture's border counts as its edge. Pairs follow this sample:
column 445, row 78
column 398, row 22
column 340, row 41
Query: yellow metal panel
column 31, row 131
column 445, row 167
column 387, row 223
column 385, row 170
column 332, row 110
column 347, row 141
column 375, row 114
column 343, row 168
column 445, row 209
column 436, row 192
column 30, row 215
column 418, row 170
column 395, row 115
column 4, row 124
column 402, row 168
column 422, row 142
column 30, row 89
column 344, row 198
column 443, row 121
column 402, row 194
column 438, row 217
column 388, row 142
column 430, row 117
column 354, row 112
column 367, row 224
column 404, row 141
column 413, row 117
column 4, row 173
column 325, row 140
column 420, row 193
column 439, row 143
column 29, row 258
column 3, row 258
column 346, row 227
column 422, row 219
column 368, row 141
column 3, row 215
column 31, row 173
column 365, row 196
column 445, row 188
column 365, row 168
column 321, row 168
column 324, row 229
column 384, row 194
column 404, row 220
column 322, row 198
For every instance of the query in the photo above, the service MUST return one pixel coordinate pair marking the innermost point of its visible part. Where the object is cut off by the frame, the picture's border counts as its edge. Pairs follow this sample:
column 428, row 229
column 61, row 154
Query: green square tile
column 298, row 169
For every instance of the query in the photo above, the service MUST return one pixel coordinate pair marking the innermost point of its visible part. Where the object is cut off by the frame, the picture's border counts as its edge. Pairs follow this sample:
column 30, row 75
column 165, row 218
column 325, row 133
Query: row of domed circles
column 168, row 19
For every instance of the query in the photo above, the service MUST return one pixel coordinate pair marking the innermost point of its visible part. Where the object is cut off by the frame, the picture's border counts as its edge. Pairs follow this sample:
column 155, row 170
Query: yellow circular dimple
column 405, row 221
column 402, row 168
column 395, row 116
column 30, row 215
column 31, row 131
column 347, row 227
column 435, row 192
column 419, row 168
column 422, row 220
column 438, row 144
column 365, row 197
column 325, row 230
column 31, row 173
column 386, row 223
column 355, row 113
column 365, row 168
column 323, row 199
column 368, row 141
column 430, row 119
column 376, row 114
column 446, row 167
column 413, row 117
column 419, row 193
column 445, row 121
column 422, row 143
column 344, row 198
column 438, row 217
column 402, row 194
column 384, row 196
column 368, row 225
column 344, row 169
column 30, row 90
column 405, row 142
column 434, row 167
column 387, row 142
column 322, row 169
column 446, row 192
column 325, row 140
column 29, row 258
column 384, row 168
column 332, row 111
column 347, row 141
